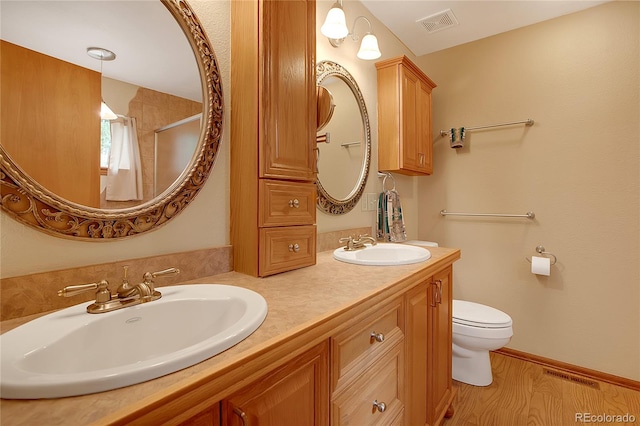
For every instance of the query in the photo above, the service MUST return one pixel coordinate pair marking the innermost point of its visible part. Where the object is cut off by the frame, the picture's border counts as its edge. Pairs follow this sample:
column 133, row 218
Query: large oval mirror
column 344, row 139
column 164, row 89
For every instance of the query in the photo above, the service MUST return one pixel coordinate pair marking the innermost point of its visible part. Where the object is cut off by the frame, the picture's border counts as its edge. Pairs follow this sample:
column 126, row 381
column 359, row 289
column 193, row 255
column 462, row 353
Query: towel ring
column 384, row 181
column 541, row 250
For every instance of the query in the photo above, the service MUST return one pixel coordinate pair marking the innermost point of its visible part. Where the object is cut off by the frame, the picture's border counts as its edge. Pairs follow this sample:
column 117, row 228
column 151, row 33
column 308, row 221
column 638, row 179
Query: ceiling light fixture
column 335, row 29
column 103, row 55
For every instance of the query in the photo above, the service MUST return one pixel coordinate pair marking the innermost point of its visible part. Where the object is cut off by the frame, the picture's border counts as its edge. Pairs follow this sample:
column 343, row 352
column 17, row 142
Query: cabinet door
column 410, row 117
column 295, row 394
column 404, row 117
column 416, row 123
column 288, row 122
column 417, row 355
column 440, row 390
column 424, row 144
column 208, row 417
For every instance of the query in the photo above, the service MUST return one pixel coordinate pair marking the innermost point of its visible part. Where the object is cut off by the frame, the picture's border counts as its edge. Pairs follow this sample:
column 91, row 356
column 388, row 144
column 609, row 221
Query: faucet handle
column 102, row 294
column 125, row 289
column 149, row 276
column 164, row 272
column 125, row 269
column 350, row 240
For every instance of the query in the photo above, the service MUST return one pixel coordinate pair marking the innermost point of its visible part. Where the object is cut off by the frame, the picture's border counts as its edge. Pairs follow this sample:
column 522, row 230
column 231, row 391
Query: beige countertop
column 303, row 306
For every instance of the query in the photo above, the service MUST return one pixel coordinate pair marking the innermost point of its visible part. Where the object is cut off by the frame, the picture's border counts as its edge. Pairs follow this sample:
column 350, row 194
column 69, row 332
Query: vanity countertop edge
column 305, row 306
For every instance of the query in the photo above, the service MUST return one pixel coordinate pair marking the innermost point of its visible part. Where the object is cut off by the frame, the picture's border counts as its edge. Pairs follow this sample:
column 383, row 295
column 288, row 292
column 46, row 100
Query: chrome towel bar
column 528, row 122
column 527, row 215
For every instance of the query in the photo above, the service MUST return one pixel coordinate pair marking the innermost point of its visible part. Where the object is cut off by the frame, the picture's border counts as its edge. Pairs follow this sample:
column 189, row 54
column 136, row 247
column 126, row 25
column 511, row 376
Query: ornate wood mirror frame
column 325, row 201
column 30, row 203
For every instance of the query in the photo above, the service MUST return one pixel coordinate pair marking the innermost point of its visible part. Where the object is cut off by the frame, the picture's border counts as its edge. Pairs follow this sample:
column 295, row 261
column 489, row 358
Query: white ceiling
column 153, row 52
column 476, row 19
column 151, row 49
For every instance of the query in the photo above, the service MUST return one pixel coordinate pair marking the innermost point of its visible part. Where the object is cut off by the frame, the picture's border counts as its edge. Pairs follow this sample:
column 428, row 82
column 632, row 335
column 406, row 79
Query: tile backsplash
column 37, row 293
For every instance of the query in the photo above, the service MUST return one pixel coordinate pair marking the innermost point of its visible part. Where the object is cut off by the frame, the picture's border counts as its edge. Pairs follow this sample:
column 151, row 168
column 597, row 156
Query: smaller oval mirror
column 344, row 139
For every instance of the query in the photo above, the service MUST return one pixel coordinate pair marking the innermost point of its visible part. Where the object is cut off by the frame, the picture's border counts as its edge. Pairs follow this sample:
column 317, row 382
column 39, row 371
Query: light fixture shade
column 335, row 26
column 369, row 48
column 106, row 113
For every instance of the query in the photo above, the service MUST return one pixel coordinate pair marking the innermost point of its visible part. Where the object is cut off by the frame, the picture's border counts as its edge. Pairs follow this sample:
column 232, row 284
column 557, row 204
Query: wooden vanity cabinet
column 429, row 350
column 295, row 394
column 367, row 369
column 404, row 118
column 397, row 354
column 273, row 127
column 208, row 417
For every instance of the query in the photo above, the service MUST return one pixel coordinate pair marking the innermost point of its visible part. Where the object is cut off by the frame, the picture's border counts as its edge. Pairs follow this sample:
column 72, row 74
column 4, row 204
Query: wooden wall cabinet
column 404, row 118
column 273, row 127
column 429, row 347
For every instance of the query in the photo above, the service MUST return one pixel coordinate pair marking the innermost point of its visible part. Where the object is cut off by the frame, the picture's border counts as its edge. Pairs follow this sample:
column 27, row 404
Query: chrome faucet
column 126, row 295
column 356, row 243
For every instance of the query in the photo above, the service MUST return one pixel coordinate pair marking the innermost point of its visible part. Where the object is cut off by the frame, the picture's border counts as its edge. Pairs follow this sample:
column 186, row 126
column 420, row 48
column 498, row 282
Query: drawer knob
column 378, row 337
column 294, row 248
column 294, row 204
column 380, row 406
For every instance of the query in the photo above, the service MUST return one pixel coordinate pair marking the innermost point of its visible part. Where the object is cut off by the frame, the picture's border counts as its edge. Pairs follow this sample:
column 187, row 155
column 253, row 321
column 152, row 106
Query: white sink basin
column 383, row 254
column 71, row 352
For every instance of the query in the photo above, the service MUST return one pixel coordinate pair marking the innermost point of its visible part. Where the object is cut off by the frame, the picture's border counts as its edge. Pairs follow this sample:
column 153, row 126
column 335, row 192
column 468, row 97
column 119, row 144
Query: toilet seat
column 476, row 315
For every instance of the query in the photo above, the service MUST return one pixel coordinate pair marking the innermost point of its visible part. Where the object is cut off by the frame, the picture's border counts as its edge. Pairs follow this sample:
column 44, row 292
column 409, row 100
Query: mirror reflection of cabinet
column 46, row 125
column 273, row 126
column 404, row 118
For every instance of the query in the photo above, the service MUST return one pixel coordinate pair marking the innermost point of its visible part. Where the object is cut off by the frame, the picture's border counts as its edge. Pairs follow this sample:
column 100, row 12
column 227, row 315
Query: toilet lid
column 477, row 315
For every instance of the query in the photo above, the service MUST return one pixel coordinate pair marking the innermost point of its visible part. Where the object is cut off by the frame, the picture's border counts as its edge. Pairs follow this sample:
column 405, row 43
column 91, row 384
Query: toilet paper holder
column 541, row 250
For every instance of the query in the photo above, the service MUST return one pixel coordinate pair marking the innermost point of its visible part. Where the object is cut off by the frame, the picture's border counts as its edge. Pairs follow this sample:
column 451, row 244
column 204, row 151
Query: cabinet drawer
column 286, row 203
column 285, row 248
column 381, row 382
column 356, row 347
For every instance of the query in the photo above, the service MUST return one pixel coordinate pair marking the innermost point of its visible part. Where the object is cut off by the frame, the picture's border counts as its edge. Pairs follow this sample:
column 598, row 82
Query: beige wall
column 204, row 224
column 577, row 168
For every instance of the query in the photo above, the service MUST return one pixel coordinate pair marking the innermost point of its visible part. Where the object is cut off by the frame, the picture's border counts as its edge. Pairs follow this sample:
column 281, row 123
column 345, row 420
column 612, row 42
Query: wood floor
column 522, row 393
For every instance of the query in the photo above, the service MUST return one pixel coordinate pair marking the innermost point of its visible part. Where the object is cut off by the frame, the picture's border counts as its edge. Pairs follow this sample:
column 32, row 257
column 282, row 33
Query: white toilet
column 477, row 329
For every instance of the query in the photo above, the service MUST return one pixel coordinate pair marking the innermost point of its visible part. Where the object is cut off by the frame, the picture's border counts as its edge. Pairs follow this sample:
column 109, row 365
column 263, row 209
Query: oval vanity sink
column 383, row 254
column 71, row 352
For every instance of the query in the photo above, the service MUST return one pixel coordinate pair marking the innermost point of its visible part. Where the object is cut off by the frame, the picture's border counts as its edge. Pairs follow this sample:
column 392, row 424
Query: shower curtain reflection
column 124, row 174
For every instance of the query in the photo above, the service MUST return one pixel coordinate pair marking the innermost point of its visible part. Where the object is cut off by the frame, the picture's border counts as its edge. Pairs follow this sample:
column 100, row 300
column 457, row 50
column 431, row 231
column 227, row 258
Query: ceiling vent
column 439, row 21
